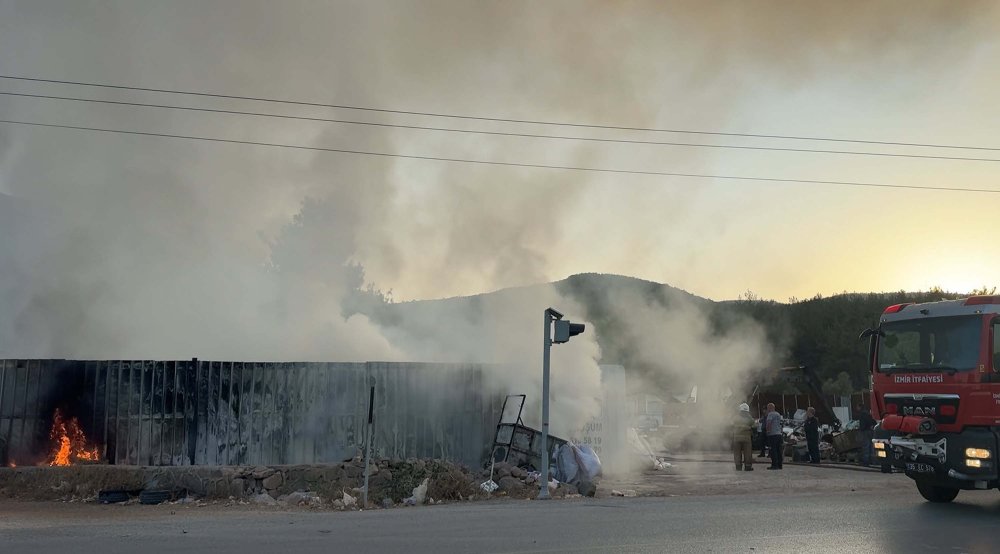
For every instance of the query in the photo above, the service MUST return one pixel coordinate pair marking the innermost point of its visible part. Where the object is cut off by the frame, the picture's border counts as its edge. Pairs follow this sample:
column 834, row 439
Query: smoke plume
column 144, row 248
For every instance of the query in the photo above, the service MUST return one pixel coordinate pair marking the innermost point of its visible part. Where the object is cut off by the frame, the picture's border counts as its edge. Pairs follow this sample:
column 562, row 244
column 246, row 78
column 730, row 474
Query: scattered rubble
column 264, row 500
column 311, row 486
column 418, row 496
column 587, row 488
column 392, row 482
column 641, row 448
column 524, row 487
column 511, row 485
column 489, row 486
column 301, row 498
column 833, row 445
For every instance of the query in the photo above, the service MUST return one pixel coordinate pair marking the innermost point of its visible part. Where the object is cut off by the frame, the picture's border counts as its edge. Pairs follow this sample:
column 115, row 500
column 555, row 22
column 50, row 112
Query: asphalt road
column 841, row 522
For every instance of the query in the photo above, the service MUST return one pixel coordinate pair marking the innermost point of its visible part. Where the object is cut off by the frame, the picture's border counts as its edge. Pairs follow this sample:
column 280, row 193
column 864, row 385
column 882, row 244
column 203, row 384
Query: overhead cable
column 491, row 133
column 494, row 119
column 502, row 163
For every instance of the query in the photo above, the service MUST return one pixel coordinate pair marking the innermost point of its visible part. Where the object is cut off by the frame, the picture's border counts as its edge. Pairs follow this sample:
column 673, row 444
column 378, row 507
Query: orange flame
column 69, row 442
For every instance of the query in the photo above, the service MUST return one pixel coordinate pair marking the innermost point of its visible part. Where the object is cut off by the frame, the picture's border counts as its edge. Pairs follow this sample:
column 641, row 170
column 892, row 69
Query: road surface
column 842, row 522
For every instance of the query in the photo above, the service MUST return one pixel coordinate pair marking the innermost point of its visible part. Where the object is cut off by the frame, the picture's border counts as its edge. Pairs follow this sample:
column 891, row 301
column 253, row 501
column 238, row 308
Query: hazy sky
column 921, row 72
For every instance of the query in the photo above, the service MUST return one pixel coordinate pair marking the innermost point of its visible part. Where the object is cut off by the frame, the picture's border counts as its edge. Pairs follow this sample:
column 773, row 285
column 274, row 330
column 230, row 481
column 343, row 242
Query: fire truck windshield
column 930, row 344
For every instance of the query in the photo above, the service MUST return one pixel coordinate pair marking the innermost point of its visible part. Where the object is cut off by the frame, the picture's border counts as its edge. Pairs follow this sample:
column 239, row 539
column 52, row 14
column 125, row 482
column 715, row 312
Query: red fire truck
column 936, row 386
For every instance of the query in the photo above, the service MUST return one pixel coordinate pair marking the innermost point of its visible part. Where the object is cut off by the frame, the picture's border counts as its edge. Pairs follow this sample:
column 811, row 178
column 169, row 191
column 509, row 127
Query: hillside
column 819, row 332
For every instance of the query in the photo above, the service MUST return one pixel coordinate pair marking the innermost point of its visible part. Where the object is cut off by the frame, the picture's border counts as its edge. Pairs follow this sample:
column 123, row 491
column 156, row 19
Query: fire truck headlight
column 974, row 463
column 880, row 446
column 978, row 453
column 882, row 454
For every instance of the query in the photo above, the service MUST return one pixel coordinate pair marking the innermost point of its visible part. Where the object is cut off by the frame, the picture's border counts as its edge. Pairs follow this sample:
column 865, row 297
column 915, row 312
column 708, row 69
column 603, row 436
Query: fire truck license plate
column 920, row 468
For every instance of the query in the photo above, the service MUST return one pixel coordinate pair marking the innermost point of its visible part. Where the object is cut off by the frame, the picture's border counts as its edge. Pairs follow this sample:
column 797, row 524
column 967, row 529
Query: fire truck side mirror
column 869, row 333
column 996, row 345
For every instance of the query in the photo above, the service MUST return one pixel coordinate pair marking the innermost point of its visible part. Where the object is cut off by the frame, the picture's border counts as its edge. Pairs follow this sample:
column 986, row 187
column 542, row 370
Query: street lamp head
column 566, row 329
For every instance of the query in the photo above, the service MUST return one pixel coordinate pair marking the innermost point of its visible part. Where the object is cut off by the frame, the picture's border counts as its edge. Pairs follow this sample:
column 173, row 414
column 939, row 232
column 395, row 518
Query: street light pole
column 547, row 348
column 564, row 329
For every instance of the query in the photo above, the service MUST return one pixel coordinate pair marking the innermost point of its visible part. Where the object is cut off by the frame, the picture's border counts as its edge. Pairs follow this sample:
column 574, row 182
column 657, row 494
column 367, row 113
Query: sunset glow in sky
column 914, row 72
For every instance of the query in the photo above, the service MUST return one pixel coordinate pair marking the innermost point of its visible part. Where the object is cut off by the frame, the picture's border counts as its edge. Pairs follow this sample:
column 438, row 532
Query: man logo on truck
column 910, row 410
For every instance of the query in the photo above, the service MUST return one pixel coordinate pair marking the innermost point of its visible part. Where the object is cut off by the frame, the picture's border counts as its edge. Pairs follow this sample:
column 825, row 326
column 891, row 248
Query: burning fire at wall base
column 69, row 445
column 69, row 442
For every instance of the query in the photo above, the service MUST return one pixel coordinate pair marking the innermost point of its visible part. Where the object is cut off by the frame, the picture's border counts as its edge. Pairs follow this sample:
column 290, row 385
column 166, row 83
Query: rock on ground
column 264, row 500
column 510, row 484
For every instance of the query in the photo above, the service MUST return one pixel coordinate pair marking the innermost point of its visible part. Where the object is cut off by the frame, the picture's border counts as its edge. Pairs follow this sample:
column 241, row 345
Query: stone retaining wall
column 392, row 480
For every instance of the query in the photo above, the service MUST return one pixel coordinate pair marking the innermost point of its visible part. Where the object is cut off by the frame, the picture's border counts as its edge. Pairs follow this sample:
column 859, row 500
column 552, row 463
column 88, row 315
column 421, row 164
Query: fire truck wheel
column 933, row 493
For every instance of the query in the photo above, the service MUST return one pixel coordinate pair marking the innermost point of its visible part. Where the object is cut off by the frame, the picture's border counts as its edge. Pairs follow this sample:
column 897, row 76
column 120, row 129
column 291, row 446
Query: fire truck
column 935, row 376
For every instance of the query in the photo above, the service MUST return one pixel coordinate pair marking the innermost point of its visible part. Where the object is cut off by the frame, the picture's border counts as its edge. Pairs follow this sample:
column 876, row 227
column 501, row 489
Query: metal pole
column 3, row 381
column 13, row 408
column 230, row 417
column 24, row 404
column 193, row 433
column 93, row 418
column 543, row 494
column 368, row 442
column 142, row 390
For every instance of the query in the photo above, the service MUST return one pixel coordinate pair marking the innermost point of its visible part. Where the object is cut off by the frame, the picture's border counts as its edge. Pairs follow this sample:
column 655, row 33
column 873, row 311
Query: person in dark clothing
column 812, row 435
column 866, row 432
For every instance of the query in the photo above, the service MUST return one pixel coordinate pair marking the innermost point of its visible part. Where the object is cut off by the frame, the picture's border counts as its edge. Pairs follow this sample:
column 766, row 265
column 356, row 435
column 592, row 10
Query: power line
column 493, row 119
column 493, row 133
column 499, row 163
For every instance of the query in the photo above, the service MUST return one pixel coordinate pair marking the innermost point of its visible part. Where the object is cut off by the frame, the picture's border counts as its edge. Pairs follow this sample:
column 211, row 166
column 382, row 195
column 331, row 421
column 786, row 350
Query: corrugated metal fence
column 787, row 404
column 231, row 413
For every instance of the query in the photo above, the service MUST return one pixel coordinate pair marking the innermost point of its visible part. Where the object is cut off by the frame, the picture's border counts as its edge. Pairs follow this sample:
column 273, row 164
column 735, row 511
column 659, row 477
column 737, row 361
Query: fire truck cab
column 935, row 374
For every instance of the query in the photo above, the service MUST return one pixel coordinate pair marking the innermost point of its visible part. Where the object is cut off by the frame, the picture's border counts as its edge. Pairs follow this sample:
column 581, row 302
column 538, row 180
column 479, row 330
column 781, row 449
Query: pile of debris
column 576, row 472
column 408, row 482
column 834, row 445
column 392, row 482
column 504, row 479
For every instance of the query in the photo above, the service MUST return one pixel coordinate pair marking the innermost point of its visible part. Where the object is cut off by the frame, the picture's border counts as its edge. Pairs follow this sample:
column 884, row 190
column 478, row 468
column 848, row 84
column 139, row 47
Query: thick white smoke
column 686, row 353
column 119, row 247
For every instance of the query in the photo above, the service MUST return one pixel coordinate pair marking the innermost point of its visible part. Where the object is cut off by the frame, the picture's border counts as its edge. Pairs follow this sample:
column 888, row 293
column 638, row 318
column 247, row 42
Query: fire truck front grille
column 943, row 408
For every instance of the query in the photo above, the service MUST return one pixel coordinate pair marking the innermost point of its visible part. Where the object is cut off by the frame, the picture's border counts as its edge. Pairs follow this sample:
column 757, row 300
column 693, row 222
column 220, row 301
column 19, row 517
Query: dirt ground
column 714, row 474
column 706, row 474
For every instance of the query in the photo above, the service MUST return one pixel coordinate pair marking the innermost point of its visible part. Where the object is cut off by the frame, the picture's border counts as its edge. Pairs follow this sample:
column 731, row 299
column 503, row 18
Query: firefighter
column 743, row 425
